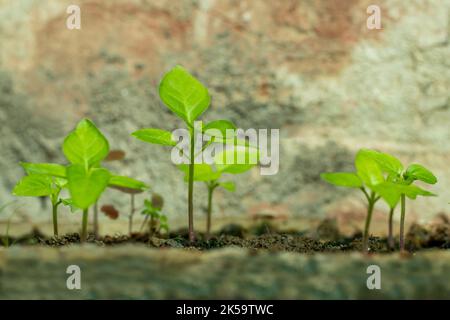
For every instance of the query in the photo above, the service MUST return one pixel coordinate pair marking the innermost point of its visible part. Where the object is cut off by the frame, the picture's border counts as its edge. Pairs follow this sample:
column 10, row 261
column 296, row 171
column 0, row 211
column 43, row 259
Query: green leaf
column 69, row 203
column 228, row 185
column 343, row 179
column 368, row 169
column 202, row 172
column 126, row 182
column 418, row 172
column 390, row 192
column 60, row 182
column 236, row 160
column 86, row 186
column 221, row 126
column 86, row 145
column 51, row 169
column 412, row 191
column 184, row 94
column 387, row 163
column 156, row 136
column 36, row 185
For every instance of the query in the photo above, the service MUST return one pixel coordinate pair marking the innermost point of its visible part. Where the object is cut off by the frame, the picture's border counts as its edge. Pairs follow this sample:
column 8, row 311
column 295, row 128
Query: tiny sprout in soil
column 155, row 219
column 380, row 175
column 43, row 180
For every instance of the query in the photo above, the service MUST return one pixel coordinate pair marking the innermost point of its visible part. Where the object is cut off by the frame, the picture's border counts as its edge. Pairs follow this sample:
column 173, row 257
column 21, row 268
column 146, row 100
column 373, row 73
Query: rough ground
column 135, row 272
column 326, row 236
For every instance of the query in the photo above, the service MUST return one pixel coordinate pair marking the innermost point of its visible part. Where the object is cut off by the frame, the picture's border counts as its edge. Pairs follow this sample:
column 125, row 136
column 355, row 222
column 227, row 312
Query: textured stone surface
column 142, row 273
column 310, row 68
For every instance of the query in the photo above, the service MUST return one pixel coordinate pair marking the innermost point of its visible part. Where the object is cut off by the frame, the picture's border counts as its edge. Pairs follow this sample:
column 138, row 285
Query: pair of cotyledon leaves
column 85, row 148
column 188, row 98
column 385, row 175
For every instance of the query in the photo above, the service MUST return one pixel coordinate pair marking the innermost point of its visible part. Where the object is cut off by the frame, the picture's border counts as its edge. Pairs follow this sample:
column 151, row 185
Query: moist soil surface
column 326, row 238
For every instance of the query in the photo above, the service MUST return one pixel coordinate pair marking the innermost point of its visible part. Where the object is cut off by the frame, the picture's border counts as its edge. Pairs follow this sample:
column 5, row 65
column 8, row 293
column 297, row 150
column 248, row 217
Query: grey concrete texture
column 309, row 68
column 134, row 272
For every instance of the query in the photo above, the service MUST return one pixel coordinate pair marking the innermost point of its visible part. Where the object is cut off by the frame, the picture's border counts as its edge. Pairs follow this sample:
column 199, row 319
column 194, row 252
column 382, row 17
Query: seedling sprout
column 185, row 96
column 152, row 211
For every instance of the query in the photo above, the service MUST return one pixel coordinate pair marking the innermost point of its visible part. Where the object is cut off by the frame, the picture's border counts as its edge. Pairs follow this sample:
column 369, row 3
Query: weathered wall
column 310, row 68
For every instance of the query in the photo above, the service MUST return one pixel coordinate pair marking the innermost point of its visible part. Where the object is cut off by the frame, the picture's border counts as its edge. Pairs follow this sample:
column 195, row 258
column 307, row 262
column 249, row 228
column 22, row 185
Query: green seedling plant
column 368, row 174
column 399, row 186
column 85, row 148
column 43, row 180
column 212, row 175
column 153, row 215
column 188, row 98
column 380, row 175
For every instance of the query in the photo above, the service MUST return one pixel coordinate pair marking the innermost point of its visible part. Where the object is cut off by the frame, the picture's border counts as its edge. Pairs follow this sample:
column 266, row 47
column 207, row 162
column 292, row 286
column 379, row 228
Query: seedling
column 85, row 148
column 211, row 175
column 398, row 186
column 152, row 211
column 44, row 179
column 368, row 174
column 385, row 177
column 185, row 96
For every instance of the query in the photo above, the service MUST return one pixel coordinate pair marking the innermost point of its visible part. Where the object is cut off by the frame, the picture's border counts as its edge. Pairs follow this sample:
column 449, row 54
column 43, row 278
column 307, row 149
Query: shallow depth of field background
column 309, row 68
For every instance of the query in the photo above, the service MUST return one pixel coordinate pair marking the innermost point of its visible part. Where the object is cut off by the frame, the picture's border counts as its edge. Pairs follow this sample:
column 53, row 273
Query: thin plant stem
column 96, row 220
column 55, row 218
column 371, row 200
column 191, row 190
column 150, row 232
column 391, row 242
column 402, row 223
column 144, row 222
column 209, row 211
column 6, row 238
column 130, row 218
column 84, row 225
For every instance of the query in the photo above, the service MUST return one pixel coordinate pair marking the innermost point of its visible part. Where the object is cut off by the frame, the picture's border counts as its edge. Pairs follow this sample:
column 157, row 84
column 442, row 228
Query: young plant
column 43, row 180
column 399, row 185
column 368, row 174
column 152, row 211
column 185, row 96
column 85, row 148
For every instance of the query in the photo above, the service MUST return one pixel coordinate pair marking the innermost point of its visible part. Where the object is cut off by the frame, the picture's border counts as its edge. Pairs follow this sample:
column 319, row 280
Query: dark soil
column 326, row 238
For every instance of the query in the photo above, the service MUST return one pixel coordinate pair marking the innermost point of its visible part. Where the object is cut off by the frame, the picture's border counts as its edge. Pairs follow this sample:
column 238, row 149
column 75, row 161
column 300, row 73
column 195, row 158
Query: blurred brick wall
column 309, row 68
